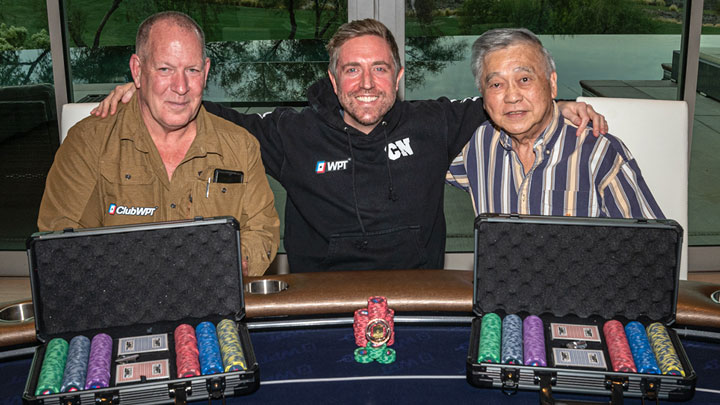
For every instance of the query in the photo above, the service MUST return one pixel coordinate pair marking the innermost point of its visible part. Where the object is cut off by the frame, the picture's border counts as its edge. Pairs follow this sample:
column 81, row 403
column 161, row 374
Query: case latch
column 650, row 388
column 216, row 388
column 107, row 398
column 510, row 378
column 73, row 400
column 617, row 387
column 180, row 391
column 546, row 381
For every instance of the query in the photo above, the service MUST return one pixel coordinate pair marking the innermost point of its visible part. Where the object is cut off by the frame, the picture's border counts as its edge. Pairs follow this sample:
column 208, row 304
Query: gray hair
column 502, row 38
column 182, row 20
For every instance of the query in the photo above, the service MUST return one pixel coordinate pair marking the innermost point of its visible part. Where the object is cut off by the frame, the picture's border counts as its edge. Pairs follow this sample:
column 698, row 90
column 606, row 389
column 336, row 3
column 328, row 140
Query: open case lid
column 573, row 266
column 134, row 275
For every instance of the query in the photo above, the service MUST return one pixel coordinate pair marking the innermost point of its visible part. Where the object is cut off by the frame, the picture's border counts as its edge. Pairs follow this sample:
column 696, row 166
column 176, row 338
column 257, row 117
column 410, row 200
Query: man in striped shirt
column 529, row 159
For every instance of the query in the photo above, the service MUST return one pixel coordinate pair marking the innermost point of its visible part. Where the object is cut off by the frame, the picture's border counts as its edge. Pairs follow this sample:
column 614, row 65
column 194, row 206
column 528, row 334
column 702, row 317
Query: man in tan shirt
column 163, row 157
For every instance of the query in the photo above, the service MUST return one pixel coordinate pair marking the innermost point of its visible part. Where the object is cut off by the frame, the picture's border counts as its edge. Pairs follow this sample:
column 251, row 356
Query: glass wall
column 262, row 51
column 609, row 48
column 28, row 133
column 704, row 164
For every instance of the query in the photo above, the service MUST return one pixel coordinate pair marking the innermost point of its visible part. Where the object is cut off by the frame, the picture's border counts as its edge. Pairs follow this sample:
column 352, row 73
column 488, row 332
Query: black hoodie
column 362, row 201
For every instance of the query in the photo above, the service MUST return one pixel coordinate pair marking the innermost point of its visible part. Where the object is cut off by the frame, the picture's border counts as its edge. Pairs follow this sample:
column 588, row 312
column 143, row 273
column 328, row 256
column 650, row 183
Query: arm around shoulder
column 259, row 222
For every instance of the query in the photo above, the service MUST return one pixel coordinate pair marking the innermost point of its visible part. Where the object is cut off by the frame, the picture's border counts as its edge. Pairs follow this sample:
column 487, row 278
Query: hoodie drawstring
column 354, row 188
column 391, row 191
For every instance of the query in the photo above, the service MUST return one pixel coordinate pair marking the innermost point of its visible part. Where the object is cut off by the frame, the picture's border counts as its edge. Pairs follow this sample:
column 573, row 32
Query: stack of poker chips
column 98, row 374
column 210, row 359
column 382, row 354
column 377, row 310
column 664, row 350
column 77, row 363
column 373, row 328
column 490, row 331
column 512, row 341
column 534, row 342
column 230, row 346
column 620, row 354
column 51, row 374
column 186, row 352
column 640, row 348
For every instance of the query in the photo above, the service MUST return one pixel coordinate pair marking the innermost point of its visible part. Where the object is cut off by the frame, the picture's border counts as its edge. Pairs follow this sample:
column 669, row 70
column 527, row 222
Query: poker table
column 303, row 340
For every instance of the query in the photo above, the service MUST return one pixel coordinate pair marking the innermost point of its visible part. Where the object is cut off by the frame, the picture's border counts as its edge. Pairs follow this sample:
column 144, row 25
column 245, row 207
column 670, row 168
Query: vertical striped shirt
column 572, row 175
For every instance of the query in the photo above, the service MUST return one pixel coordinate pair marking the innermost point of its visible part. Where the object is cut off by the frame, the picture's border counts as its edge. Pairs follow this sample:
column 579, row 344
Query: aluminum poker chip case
column 579, row 271
column 140, row 280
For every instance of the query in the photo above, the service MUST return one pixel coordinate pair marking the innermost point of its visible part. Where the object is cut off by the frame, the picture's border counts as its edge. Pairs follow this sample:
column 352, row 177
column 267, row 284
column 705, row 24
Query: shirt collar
column 546, row 139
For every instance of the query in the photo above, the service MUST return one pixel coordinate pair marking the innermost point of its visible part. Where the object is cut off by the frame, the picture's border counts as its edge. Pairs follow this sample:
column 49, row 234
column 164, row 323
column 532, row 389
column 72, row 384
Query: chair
column 72, row 113
column 28, row 142
column 656, row 132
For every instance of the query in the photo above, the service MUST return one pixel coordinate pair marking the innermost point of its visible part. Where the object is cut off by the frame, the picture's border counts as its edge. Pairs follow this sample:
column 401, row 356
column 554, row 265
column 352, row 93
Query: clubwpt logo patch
column 115, row 209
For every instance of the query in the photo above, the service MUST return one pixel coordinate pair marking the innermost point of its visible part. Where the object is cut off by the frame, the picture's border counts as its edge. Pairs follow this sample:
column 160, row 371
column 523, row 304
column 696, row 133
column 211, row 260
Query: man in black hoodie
column 364, row 172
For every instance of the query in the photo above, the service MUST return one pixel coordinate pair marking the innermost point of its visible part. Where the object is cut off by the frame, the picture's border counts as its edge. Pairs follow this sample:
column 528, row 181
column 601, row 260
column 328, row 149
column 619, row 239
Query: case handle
column 546, row 381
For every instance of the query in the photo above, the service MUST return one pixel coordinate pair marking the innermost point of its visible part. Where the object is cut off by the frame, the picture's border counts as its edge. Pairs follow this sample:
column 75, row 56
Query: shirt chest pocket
column 218, row 199
column 128, row 185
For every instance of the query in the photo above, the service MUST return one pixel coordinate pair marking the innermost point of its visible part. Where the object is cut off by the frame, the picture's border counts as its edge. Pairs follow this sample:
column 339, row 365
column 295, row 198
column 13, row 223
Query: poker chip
column 621, row 356
column 98, row 373
column 512, row 341
column 76, row 365
column 230, row 346
column 186, row 352
column 490, row 331
column 362, row 355
column 374, row 323
column 209, row 349
column 53, row 365
column 382, row 354
column 534, row 342
column 640, row 347
column 664, row 351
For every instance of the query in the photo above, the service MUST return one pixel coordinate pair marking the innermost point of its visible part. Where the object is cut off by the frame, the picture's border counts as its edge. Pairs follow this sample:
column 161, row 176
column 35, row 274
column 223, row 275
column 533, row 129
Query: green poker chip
column 368, row 354
column 490, row 339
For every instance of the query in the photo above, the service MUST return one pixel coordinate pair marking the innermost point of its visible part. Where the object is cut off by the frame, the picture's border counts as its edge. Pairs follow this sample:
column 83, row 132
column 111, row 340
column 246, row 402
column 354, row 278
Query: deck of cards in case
column 140, row 314
column 578, row 305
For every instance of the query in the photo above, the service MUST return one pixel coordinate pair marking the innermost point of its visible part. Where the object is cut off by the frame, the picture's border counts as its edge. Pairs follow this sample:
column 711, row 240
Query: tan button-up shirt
column 109, row 172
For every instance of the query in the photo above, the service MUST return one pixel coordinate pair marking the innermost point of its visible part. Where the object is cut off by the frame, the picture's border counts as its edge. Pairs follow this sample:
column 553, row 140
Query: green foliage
column 13, row 36
column 39, row 40
column 475, row 12
column 557, row 16
column 424, row 10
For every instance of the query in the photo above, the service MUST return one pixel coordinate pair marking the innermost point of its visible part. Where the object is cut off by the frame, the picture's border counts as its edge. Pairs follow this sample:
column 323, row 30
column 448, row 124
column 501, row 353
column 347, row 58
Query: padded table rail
column 407, row 291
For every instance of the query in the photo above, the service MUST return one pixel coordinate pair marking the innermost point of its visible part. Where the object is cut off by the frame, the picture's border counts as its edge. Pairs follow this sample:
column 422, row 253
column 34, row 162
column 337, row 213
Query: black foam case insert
column 577, row 267
column 136, row 279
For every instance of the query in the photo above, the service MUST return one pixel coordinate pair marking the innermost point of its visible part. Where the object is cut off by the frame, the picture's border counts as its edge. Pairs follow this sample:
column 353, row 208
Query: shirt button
column 172, row 205
column 127, row 176
column 224, row 190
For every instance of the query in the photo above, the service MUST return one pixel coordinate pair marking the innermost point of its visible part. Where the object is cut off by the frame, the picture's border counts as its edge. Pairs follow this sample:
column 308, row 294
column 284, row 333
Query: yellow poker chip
column 668, row 359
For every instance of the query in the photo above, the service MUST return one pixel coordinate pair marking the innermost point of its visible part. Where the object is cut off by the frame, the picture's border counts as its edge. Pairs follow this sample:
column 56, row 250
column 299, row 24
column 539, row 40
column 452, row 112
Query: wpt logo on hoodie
column 322, row 166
